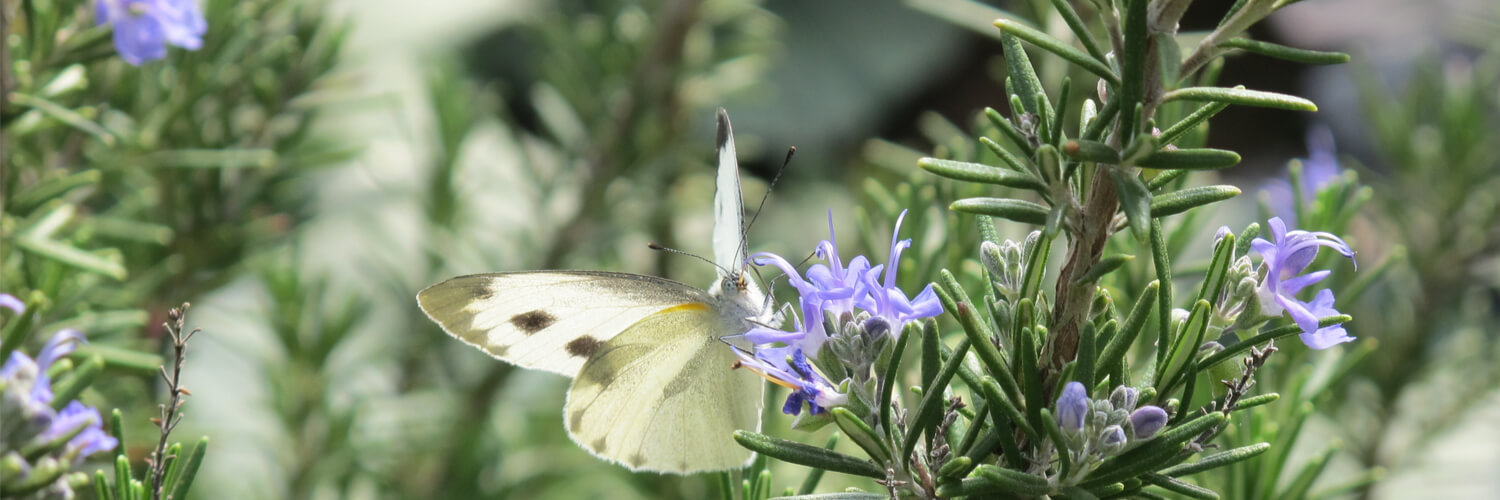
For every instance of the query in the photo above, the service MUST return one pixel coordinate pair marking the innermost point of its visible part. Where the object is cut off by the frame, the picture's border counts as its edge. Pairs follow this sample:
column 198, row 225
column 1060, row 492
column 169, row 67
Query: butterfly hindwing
column 549, row 320
column 661, row 396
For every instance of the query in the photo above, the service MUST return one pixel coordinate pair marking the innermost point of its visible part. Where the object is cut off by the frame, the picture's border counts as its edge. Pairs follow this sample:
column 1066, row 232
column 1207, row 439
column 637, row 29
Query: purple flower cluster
column 837, row 294
column 1285, row 260
column 1100, row 426
column 143, row 28
column 27, row 401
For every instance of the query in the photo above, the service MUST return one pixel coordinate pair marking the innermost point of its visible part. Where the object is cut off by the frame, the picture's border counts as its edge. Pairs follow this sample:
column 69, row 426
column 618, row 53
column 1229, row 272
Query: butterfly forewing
column 549, row 320
column 730, row 246
column 661, row 396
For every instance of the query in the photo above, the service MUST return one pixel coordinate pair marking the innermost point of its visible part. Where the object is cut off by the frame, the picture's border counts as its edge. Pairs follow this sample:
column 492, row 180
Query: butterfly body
column 653, row 387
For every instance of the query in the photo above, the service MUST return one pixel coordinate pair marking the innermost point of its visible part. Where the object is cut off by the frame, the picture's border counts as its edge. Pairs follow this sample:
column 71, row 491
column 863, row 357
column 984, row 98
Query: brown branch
column 170, row 415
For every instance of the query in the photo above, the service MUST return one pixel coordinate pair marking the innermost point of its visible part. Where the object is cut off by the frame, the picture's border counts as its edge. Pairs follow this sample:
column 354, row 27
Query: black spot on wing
column 636, row 460
column 598, row 445
column 575, row 421
column 532, row 322
column 724, row 131
column 584, row 346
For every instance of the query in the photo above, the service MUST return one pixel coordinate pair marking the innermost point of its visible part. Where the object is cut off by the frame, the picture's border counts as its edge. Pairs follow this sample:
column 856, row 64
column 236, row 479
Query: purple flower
column 1147, row 421
column 28, row 397
column 887, row 300
column 854, row 298
column 90, row 440
column 60, row 345
column 1320, row 168
column 1072, row 407
column 788, row 367
column 1285, row 260
column 1323, row 338
column 9, row 301
column 143, row 28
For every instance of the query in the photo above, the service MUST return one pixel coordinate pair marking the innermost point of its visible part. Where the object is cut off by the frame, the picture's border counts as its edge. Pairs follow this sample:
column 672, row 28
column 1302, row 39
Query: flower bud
column 1112, row 439
column 1147, row 421
column 1072, row 407
column 876, row 327
column 1220, row 234
column 1124, row 397
column 989, row 255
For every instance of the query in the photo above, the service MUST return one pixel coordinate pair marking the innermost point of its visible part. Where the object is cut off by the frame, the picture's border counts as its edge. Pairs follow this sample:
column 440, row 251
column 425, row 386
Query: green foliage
column 126, row 189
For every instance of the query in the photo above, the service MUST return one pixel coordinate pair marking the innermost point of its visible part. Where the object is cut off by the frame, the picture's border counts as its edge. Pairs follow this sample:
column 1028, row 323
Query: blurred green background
column 314, row 165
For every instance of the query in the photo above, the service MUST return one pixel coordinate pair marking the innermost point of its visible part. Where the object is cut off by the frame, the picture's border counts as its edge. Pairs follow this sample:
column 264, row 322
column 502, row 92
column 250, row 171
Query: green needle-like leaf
column 1093, row 151
column 811, row 456
column 1177, row 202
column 73, row 256
column 1218, row 268
column 1242, row 97
column 1060, row 443
column 1163, row 267
column 101, row 486
column 1135, row 200
column 1005, row 208
column 63, row 114
column 66, row 390
column 814, row 476
column 1217, row 460
column 1059, row 47
column 929, row 411
column 955, row 467
column 1190, row 159
column 1285, row 53
column 190, row 464
column 1075, row 23
column 52, row 188
column 1179, row 487
column 122, row 476
column 892, row 374
column 1257, row 400
column 1272, row 334
column 1005, row 405
column 845, row 495
column 1106, row 265
column 990, row 480
column 1008, row 130
column 1076, row 493
column 1200, row 115
column 981, row 173
column 862, row 434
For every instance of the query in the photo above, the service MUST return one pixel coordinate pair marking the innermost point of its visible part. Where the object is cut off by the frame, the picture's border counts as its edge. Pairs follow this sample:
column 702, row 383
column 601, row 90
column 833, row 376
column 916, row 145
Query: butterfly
column 653, row 387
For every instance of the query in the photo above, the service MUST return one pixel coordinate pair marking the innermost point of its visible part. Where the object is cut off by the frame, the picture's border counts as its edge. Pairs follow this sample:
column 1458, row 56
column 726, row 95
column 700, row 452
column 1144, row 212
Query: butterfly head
column 741, row 298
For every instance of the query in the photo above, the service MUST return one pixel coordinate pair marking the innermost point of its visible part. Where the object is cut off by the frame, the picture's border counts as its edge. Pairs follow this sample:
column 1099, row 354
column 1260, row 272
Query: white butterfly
column 653, row 387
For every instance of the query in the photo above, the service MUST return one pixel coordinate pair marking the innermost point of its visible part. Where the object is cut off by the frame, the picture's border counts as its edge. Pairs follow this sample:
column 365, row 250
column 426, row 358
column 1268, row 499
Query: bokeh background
column 375, row 147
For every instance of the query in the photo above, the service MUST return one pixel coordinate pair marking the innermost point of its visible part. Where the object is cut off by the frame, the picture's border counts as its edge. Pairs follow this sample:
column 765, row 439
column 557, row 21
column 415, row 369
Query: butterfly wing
column 661, row 396
column 730, row 247
column 549, row 320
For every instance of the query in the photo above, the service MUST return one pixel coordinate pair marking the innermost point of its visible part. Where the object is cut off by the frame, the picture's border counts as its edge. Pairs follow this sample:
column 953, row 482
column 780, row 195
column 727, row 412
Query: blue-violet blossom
column 1319, row 169
column 841, row 293
column 1285, row 260
column 27, row 404
column 143, row 28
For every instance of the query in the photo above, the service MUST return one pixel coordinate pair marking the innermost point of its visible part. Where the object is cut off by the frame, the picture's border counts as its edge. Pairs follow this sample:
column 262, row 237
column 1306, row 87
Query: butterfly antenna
column 789, row 152
column 655, row 246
